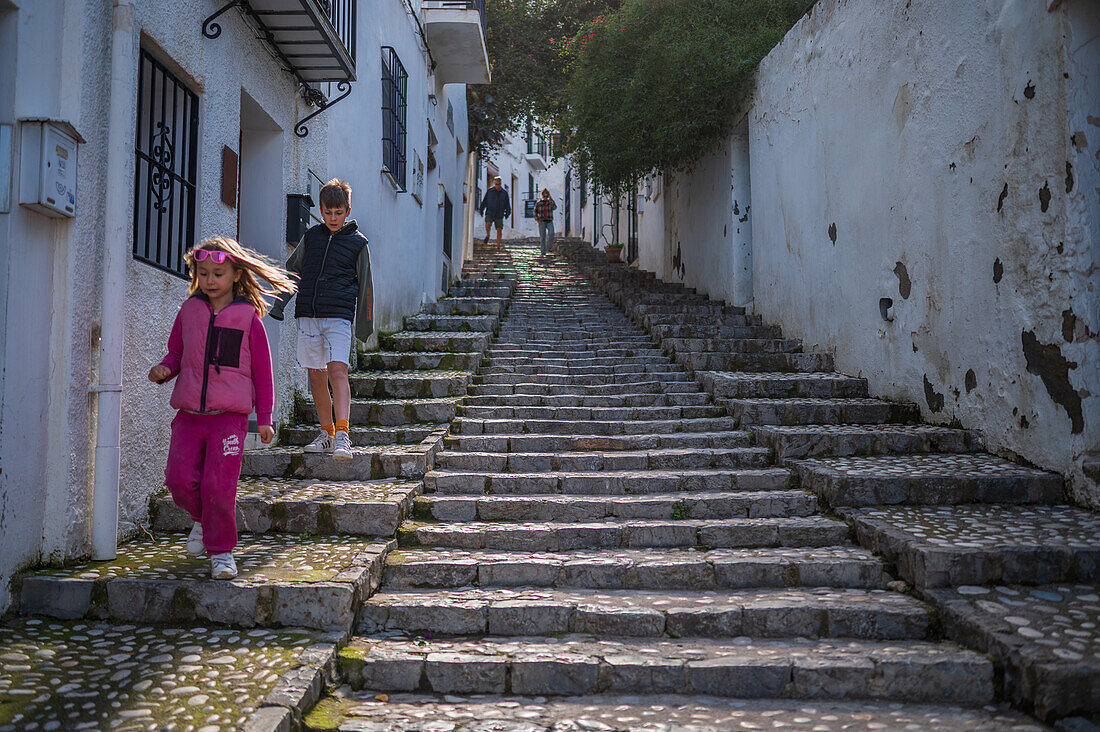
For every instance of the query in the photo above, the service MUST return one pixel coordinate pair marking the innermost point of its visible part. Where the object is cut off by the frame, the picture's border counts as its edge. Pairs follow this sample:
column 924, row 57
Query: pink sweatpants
column 204, row 463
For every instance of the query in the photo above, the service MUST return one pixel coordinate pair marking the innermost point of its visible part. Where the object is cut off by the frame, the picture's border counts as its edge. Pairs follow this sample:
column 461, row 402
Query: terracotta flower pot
column 613, row 254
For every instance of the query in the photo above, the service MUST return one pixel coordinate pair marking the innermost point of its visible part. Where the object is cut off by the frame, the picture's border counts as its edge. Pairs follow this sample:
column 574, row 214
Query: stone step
column 418, row 360
column 653, row 386
column 704, row 316
column 812, row 531
column 757, row 613
column 364, row 508
column 641, row 569
column 283, row 580
column 1045, row 638
column 700, row 310
column 703, row 330
column 597, row 381
column 802, row 441
column 748, row 385
column 677, row 399
column 788, row 362
column 937, row 546
column 480, row 426
column 820, row 411
column 732, row 345
column 582, row 414
column 568, row 508
column 939, row 479
column 468, row 306
column 588, row 461
column 591, row 364
column 459, row 291
column 606, row 482
column 389, row 412
column 411, row 712
column 567, row 443
column 367, row 463
column 580, row 665
column 408, row 384
column 403, row 434
column 452, row 323
column 573, row 350
column 434, row 342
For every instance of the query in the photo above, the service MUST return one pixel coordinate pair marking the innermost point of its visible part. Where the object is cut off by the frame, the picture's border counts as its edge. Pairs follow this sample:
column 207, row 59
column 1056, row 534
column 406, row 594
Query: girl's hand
column 159, row 373
column 267, row 433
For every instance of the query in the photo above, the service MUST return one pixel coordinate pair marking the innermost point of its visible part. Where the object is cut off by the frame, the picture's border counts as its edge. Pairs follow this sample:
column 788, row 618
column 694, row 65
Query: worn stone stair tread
column 809, row 531
column 451, row 323
column 700, row 505
column 414, row 712
column 468, row 306
column 733, row 345
column 392, row 411
column 364, row 508
column 843, row 440
column 652, row 568
column 363, row 435
column 759, row 613
column 764, row 362
column 486, row 425
column 926, row 479
column 594, row 414
column 936, row 546
column 575, row 442
column 805, row 410
column 1046, row 637
column 570, row 665
column 310, row 582
column 652, row 386
column 590, row 460
column 411, row 359
column 367, row 462
column 607, row 482
column 629, row 400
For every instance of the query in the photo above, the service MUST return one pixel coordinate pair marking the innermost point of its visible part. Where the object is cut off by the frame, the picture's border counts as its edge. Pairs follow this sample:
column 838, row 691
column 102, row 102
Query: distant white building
column 129, row 131
column 527, row 163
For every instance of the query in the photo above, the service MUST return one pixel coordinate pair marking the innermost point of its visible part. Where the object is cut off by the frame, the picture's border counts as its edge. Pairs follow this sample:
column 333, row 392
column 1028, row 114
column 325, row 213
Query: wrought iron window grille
column 394, row 111
column 166, row 167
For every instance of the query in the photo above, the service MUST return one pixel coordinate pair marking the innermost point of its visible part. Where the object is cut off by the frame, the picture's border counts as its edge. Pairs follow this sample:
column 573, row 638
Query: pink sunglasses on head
column 217, row 257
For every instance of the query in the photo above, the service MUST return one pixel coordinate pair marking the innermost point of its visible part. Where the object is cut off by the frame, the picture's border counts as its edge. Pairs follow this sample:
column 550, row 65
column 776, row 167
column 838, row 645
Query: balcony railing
column 478, row 5
column 455, row 31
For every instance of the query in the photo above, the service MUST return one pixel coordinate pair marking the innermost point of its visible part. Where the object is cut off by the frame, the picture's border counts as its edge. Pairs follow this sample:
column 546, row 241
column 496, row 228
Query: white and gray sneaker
column 343, row 446
column 322, row 443
column 223, row 566
column 194, row 541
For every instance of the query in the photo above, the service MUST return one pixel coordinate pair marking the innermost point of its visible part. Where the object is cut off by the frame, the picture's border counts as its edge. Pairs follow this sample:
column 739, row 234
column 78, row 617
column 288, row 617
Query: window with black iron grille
column 166, row 155
column 394, row 108
column 451, row 117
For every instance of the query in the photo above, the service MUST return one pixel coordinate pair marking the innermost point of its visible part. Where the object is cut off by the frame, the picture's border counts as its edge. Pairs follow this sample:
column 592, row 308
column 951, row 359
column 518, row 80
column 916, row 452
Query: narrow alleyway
column 559, row 517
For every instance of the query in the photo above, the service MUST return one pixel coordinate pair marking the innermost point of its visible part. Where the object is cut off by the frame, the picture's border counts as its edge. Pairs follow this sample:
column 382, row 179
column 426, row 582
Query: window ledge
column 397, row 187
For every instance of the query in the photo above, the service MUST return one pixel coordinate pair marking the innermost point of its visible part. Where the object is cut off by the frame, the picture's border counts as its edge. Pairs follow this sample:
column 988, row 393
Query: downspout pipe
column 113, row 285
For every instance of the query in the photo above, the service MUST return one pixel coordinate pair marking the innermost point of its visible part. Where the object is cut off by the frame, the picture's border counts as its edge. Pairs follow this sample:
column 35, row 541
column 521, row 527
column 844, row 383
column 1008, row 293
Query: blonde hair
column 253, row 267
column 335, row 194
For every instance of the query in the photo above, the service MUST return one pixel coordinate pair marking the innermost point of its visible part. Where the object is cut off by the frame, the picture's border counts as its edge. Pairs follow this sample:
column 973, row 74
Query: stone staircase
column 600, row 533
column 949, row 518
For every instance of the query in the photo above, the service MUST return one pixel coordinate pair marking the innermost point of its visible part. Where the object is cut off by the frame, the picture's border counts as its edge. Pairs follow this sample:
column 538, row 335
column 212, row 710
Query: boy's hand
column 159, row 373
column 267, row 433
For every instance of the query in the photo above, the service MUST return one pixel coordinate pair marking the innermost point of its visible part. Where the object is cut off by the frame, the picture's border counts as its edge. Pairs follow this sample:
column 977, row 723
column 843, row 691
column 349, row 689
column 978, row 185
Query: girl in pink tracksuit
column 218, row 348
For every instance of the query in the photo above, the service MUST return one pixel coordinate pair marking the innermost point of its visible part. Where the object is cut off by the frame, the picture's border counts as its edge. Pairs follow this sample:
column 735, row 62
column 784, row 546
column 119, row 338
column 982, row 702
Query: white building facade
column 167, row 128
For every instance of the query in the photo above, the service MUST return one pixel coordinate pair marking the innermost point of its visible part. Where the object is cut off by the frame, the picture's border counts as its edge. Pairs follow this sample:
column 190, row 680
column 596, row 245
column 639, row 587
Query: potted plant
column 614, row 253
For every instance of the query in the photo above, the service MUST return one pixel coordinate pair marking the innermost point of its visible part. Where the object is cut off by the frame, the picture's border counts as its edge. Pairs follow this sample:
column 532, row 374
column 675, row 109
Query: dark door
column 448, row 211
column 568, row 194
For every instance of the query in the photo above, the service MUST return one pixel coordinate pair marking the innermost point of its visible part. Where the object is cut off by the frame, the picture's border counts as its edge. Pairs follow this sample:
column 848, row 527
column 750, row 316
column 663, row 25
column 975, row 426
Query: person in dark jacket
column 333, row 262
column 495, row 206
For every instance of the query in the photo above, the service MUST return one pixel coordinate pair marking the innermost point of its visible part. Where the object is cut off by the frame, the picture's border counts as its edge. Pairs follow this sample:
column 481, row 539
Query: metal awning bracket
column 210, row 29
column 315, row 98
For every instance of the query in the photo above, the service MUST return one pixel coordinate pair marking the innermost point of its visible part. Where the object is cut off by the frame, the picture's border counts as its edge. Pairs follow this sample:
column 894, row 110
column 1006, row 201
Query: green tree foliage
column 530, row 64
column 657, row 84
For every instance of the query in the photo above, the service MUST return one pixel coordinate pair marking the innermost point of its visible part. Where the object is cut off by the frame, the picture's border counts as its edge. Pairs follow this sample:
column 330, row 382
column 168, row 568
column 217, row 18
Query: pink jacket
column 219, row 368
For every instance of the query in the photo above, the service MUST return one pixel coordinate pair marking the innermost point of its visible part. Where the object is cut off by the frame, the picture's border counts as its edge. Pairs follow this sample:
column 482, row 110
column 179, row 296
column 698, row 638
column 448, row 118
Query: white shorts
column 321, row 340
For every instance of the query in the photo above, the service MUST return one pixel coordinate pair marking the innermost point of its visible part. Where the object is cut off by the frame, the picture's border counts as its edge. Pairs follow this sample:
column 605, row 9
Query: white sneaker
column 342, row 451
column 194, row 541
column 322, row 443
column 223, row 566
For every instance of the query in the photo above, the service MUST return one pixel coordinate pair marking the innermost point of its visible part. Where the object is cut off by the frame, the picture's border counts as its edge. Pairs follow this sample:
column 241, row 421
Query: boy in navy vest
column 335, row 289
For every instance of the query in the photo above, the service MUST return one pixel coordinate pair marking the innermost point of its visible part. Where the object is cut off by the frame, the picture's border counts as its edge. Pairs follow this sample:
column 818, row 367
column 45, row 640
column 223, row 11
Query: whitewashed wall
column 942, row 155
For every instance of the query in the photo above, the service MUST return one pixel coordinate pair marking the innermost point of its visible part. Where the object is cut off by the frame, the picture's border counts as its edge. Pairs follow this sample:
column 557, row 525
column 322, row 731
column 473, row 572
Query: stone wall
column 924, row 200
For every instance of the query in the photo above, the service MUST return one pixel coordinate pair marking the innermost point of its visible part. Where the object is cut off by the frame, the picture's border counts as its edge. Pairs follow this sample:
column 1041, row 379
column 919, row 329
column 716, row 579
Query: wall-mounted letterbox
column 298, row 206
column 47, row 166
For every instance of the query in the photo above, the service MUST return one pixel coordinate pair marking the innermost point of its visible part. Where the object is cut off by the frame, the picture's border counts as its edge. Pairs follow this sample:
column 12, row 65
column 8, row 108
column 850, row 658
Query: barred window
column 166, row 158
column 394, row 107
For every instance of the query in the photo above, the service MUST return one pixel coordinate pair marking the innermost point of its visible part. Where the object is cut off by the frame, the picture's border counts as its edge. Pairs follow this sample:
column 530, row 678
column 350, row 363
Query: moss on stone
column 326, row 715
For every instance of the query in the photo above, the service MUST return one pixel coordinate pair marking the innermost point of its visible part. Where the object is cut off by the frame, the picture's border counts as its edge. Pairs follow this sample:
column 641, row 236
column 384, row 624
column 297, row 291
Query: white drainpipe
column 113, row 286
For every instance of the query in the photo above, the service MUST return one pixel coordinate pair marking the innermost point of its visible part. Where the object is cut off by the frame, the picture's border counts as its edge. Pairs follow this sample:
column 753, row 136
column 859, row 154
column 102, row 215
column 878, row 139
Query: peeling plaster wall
column 707, row 237
column 942, row 155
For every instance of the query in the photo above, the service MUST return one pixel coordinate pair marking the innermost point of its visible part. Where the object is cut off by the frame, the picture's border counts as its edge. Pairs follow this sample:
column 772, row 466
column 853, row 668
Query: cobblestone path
column 600, row 546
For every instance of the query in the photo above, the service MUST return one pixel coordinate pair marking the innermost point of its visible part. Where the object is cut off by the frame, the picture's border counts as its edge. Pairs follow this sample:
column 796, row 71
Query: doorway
column 259, row 193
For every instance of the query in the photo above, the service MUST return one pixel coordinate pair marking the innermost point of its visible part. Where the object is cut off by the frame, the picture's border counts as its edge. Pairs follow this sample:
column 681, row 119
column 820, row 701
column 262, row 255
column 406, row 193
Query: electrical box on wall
column 47, row 166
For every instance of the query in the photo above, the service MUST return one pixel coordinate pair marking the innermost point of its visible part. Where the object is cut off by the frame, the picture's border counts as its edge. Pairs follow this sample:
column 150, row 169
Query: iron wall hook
column 315, row 99
column 210, row 29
